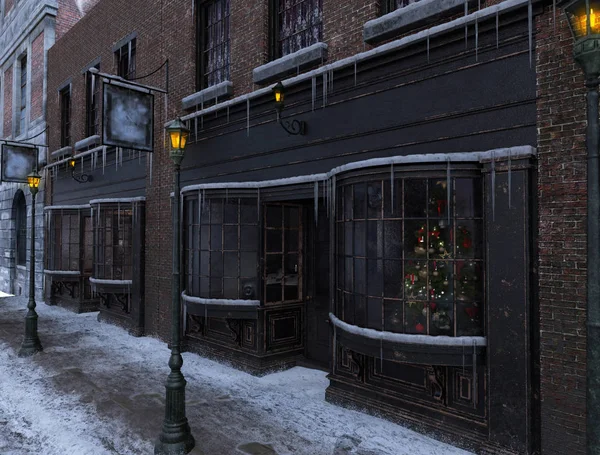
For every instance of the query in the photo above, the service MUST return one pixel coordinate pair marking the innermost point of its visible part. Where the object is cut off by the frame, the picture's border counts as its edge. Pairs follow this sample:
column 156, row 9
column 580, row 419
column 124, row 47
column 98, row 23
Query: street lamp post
column 31, row 342
column 176, row 436
column 585, row 27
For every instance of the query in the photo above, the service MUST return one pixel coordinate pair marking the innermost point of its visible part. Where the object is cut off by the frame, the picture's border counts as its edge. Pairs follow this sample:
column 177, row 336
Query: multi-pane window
column 407, row 261
column 113, row 230
column 283, row 253
column 125, row 60
column 387, row 6
column 21, row 228
column 221, row 248
column 213, row 43
column 22, row 95
column 92, row 95
column 64, row 248
column 65, row 116
column 296, row 24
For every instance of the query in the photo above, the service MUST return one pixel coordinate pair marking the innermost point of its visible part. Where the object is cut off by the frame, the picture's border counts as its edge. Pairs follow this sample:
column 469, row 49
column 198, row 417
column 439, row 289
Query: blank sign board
column 17, row 162
column 128, row 118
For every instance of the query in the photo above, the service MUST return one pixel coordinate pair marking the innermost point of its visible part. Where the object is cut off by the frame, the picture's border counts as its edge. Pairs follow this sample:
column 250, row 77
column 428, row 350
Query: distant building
column 436, row 190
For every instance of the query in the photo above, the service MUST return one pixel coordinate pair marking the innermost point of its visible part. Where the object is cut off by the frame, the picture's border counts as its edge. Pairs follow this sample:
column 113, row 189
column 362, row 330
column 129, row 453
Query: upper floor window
column 213, row 43
column 387, row 6
column 22, row 95
column 125, row 60
column 296, row 24
column 407, row 261
column 65, row 116
column 92, row 98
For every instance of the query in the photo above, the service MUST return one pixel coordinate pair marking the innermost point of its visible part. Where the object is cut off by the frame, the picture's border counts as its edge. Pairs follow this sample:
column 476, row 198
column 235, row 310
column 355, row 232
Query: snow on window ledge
column 66, row 207
column 413, row 15
column 222, row 90
column 292, row 62
column 62, row 272
column 224, row 302
column 111, row 282
column 90, row 141
column 62, row 151
column 118, row 200
column 403, row 338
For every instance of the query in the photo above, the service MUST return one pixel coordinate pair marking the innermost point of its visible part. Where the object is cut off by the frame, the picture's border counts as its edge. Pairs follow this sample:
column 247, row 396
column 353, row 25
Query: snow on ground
column 97, row 390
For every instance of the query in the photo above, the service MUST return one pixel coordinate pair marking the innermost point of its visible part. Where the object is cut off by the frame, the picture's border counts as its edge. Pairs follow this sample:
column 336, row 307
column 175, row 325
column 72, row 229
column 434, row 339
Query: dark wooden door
column 317, row 304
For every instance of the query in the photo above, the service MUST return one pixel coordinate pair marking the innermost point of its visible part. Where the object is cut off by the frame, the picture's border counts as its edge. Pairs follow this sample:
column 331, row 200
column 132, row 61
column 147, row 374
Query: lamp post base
column 180, row 445
column 31, row 343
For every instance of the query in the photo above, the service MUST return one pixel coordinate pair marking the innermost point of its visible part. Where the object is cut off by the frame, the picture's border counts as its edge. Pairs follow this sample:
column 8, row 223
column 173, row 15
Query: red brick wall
column 8, row 105
column 8, row 5
column 562, row 237
column 68, row 14
column 37, row 77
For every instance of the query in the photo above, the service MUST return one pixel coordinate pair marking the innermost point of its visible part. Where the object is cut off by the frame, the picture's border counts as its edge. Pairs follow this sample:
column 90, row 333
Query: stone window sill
column 411, row 16
column 88, row 142
column 57, row 154
column 296, row 61
column 222, row 90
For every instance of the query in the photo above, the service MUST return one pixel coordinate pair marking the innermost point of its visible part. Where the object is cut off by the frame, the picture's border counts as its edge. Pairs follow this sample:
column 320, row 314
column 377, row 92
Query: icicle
column 334, row 348
column 466, row 26
column 150, row 161
column 530, row 26
column 314, row 91
column 227, row 114
column 448, row 188
column 474, row 376
column 202, row 116
column 316, row 202
column 392, row 186
column 248, row 117
column 258, row 204
column 509, row 179
column 324, row 89
column 226, row 195
column 103, row 158
column 476, row 39
column 199, row 206
column 427, row 47
column 333, row 201
column 493, row 178
column 381, row 354
column 196, row 128
column 355, row 61
column 331, row 81
column 497, row 33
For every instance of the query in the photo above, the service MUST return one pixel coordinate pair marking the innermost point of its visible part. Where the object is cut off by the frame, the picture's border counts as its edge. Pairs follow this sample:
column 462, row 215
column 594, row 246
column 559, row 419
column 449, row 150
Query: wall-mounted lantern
column 294, row 127
column 81, row 178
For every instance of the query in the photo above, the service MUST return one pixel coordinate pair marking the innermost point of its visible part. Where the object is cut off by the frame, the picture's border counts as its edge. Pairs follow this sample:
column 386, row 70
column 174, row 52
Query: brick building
column 430, row 181
column 27, row 30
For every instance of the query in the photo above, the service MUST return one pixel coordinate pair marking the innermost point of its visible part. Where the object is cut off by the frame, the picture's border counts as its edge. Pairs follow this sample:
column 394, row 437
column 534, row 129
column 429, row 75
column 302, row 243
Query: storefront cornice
column 518, row 152
column 66, row 207
column 118, row 200
column 424, row 35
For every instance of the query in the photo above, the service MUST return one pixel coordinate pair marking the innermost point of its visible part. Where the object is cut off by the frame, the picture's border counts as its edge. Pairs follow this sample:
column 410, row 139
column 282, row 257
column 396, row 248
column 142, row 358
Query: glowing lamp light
column 583, row 17
column 178, row 136
column 33, row 180
column 278, row 93
column 71, row 163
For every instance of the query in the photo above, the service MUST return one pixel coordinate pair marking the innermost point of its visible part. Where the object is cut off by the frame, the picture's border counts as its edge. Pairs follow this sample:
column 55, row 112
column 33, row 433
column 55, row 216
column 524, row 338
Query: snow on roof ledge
column 518, row 152
column 225, row 302
column 440, row 340
column 118, row 200
column 67, row 207
column 62, row 272
column 116, row 282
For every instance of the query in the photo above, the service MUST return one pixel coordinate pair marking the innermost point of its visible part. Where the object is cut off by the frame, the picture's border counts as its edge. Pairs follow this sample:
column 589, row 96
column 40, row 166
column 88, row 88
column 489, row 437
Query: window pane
column 360, row 201
column 415, row 197
column 230, row 234
column 438, row 198
column 374, row 200
column 468, row 198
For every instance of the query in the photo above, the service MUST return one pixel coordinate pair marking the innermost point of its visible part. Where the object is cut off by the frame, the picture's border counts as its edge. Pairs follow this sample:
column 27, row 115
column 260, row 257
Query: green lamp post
column 584, row 22
column 176, row 436
column 31, row 342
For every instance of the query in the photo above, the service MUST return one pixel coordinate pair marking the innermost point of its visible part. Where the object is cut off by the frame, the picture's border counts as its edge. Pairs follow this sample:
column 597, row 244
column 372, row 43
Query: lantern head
column 278, row 94
column 33, row 180
column 178, row 135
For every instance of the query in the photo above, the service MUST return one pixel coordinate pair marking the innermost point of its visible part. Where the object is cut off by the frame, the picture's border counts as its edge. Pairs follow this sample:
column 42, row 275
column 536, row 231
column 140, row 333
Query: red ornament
column 432, row 306
column 420, row 327
column 467, row 242
column 472, row 312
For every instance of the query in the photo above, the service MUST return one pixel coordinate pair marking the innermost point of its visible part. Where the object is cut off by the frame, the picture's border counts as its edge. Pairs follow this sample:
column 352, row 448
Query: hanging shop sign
column 127, row 117
column 18, row 160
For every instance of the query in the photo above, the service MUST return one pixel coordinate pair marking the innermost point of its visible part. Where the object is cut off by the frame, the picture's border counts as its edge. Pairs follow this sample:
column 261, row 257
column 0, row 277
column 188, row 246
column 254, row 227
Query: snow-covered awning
column 118, row 200
column 67, row 207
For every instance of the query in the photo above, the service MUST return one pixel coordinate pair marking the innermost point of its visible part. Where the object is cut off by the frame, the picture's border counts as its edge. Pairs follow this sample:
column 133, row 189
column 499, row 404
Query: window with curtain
column 213, row 43
column 221, row 248
column 407, row 261
column 295, row 24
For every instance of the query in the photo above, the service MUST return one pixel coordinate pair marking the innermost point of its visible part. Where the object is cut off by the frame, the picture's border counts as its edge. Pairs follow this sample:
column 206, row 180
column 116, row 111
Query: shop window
column 113, row 256
column 407, row 261
column 21, row 228
column 221, row 248
column 65, row 116
column 92, row 101
column 22, row 95
column 213, row 43
column 295, row 24
column 387, row 6
column 64, row 241
column 125, row 58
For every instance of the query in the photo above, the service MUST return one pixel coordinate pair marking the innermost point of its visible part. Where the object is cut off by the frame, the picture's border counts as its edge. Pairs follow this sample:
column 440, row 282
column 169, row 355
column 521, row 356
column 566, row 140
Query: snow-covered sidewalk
column 97, row 390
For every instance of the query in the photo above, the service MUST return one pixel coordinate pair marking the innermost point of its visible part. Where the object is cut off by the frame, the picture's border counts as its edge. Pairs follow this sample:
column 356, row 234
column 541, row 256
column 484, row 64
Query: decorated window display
column 220, row 247
column 113, row 226
column 410, row 256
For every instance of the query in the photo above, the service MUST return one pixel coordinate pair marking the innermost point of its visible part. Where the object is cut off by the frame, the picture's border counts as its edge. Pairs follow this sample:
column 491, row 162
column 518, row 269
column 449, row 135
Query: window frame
column 122, row 216
column 202, row 79
column 65, row 115
column 92, row 103
column 388, row 6
column 126, row 59
column 275, row 51
column 20, row 124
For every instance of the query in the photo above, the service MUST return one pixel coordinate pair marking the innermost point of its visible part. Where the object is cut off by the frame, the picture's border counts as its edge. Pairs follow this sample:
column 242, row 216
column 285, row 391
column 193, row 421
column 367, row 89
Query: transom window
column 283, row 253
column 407, row 261
column 213, row 43
column 296, row 24
column 221, row 248
column 125, row 58
column 113, row 228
